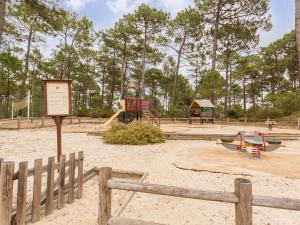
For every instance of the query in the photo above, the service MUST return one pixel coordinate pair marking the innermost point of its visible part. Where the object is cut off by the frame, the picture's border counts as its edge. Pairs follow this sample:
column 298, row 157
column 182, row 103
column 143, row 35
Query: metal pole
column 28, row 105
column 12, row 109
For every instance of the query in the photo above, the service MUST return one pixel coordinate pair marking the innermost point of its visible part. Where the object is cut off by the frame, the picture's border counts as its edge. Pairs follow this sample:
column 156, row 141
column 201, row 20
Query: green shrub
column 235, row 112
column 264, row 113
column 135, row 133
column 97, row 113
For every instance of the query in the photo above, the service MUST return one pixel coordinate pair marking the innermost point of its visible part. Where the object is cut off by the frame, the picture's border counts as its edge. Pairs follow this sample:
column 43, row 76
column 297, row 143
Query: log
column 227, row 197
column 278, row 203
column 123, row 221
column 22, row 193
column 104, row 211
column 243, row 209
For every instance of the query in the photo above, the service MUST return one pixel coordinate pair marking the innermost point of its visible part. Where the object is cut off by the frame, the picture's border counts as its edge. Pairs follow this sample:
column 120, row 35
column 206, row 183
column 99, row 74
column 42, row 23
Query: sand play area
column 198, row 164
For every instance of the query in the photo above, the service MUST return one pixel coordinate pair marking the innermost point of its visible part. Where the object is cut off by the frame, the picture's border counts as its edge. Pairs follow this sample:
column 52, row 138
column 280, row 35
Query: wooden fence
column 57, row 192
column 242, row 198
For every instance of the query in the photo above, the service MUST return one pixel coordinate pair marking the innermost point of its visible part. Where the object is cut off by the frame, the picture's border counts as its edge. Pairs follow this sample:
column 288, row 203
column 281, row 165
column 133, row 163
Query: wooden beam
column 227, row 197
column 243, row 209
column 104, row 211
column 278, row 203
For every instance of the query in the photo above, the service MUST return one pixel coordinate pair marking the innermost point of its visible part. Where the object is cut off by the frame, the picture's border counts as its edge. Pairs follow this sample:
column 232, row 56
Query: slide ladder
column 150, row 117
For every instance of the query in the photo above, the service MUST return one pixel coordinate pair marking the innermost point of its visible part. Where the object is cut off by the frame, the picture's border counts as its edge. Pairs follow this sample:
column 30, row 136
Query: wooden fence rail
column 56, row 194
column 242, row 198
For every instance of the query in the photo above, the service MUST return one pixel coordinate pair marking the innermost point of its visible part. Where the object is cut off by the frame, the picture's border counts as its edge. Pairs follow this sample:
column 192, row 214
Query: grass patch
column 135, row 133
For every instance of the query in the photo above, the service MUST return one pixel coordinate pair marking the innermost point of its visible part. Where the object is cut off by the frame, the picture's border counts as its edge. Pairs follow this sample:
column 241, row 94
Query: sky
column 104, row 13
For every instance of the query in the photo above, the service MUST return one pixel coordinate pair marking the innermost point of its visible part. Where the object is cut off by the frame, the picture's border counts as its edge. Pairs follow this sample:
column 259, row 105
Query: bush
column 97, row 113
column 264, row 113
column 235, row 112
column 135, row 133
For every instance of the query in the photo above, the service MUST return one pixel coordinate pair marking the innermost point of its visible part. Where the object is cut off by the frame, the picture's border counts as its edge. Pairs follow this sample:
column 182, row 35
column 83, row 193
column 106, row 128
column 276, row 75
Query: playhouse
column 201, row 110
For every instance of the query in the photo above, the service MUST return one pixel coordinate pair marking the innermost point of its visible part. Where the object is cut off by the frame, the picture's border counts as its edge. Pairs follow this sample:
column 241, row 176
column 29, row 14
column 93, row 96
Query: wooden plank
column 44, row 169
column 61, row 181
column 50, row 185
column 274, row 202
column 227, row 197
column 80, row 174
column 243, row 209
column 104, row 211
column 124, row 221
column 22, row 193
column 6, row 192
column 71, row 178
column 37, row 188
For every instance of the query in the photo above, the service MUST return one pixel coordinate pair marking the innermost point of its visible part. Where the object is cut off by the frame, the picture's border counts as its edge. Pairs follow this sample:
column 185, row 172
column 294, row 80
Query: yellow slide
column 122, row 104
column 113, row 117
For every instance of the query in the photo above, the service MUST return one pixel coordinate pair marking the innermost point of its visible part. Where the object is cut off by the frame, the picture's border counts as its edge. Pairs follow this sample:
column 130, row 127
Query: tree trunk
column 298, row 33
column 244, row 90
column 144, row 62
column 27, row 58
column 65, row 68
column 215, row 37
column 227, row 83
column 177, row 68
column 123, row 69
column 2, row 18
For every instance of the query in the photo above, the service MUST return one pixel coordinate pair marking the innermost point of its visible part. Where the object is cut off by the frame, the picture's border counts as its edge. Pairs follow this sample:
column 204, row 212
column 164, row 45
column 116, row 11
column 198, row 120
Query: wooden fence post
column 61, row 182
column 243, row 209
column 22, row 193
column 80, row 174
column 6, row 192
column 19, row 123
column 43, row 122
column 37, row 187
column 104, row 211
column 50, row 186
column 71, row 178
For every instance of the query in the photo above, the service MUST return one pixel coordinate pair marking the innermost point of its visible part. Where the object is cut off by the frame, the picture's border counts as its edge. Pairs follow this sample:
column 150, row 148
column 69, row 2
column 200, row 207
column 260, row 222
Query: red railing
column 137, row 105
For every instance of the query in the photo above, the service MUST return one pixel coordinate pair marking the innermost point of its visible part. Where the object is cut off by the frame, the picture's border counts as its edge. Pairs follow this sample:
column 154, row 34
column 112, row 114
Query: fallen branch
column 212, row 171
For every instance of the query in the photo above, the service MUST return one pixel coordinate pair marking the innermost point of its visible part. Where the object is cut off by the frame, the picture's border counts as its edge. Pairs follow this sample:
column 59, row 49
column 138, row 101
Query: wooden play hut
column 202, row 110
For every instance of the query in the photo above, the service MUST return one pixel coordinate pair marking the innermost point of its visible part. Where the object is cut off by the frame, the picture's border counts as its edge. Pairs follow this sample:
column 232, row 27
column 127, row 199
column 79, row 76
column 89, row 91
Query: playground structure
column 258, row 143
column 203, row 110
column 134, row 108
column 270, row 124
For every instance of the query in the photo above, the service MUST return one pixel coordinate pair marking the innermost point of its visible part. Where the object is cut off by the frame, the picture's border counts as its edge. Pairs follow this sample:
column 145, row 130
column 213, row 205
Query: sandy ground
column 159, row 161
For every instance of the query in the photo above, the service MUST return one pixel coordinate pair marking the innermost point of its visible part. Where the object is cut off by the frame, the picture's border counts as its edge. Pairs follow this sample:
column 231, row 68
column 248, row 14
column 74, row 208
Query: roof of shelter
column 202, row 103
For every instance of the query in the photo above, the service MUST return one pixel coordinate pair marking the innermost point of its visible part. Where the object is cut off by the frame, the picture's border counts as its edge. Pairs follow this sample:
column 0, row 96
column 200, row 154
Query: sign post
column 57, row 104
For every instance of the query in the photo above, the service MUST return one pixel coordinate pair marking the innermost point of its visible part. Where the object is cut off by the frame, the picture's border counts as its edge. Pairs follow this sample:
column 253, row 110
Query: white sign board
column 57, row 98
